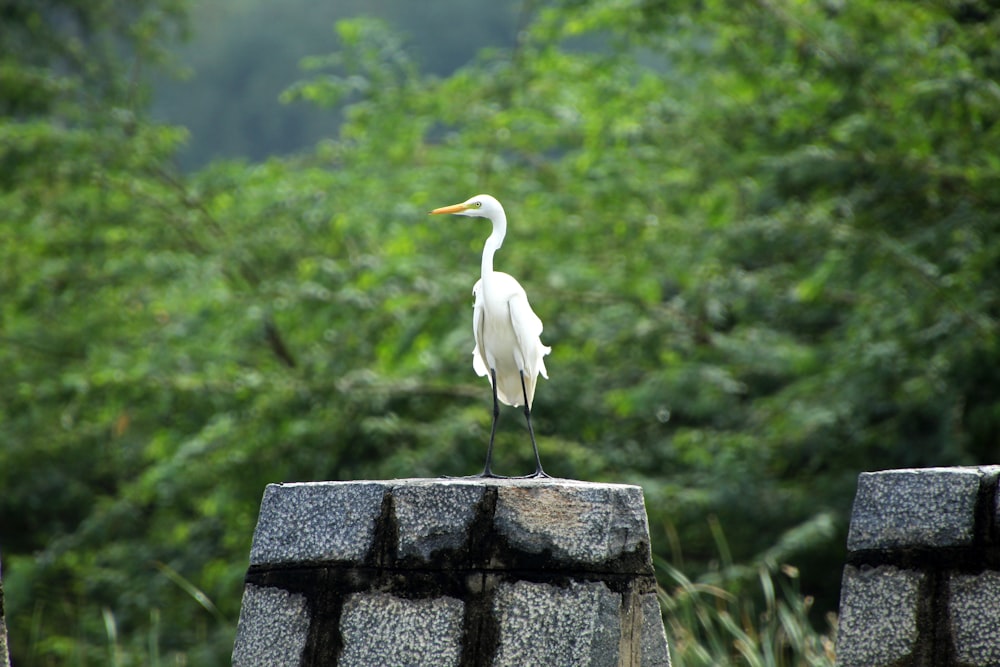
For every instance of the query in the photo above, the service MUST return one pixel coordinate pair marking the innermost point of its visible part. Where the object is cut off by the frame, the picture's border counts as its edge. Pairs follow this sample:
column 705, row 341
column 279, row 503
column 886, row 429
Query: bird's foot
column 489, row 475
column 538, row 474
column 482, row 475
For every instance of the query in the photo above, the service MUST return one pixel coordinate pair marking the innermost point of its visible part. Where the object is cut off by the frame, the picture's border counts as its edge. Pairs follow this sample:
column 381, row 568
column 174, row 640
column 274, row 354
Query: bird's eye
column 477, row 204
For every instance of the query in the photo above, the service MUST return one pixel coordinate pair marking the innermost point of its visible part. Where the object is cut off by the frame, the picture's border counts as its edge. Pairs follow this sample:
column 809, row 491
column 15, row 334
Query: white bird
column 509, row 350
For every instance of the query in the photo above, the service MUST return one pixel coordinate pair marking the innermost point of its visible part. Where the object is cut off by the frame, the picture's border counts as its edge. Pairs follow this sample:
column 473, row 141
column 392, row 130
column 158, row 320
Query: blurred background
column 764, row 239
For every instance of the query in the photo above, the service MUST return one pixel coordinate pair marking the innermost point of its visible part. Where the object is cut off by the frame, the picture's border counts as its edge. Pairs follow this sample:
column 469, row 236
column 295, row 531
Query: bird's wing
column 528, row 328
column 478, row 315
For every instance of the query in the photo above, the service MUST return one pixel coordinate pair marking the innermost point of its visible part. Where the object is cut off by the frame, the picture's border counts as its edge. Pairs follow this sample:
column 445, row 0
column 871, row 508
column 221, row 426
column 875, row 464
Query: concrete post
column 4, row 652
column 451, row 572
column 922, row 583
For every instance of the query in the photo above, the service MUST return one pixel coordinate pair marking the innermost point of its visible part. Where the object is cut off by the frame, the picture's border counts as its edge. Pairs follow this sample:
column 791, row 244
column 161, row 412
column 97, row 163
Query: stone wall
column 451, row 572
column 4, row 654
column 921, row 586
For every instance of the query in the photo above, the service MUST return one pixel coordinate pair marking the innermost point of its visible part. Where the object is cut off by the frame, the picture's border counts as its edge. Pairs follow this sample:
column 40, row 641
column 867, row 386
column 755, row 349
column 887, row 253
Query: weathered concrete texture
column 434, row 515
column 933, row 507
column 878, row 616
column 542, row 624
column 381, row 629
column 922, row 585
column 465, row 572
column 315, row 522
column 273, row 628
column 335, row 521
column 577, row 523
column 4, row 653
column 654, row 640
column 974, row 601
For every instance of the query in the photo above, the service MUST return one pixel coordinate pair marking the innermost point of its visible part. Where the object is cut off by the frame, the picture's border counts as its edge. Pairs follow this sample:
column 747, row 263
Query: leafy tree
column 762, row 239
column 58, row 55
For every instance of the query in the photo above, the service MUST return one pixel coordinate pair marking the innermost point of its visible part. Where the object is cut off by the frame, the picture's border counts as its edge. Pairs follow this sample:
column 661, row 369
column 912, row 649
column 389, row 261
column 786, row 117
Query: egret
column 508, row 350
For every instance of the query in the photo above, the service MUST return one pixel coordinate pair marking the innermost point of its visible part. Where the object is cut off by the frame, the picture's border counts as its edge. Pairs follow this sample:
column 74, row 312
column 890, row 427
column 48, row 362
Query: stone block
column 444, row 572
column 577, row 523
column 974, row 611
column 932, row 507
column 653, row 643
column 273, row 628
column 4, row 654
column 434, row 514
column 316, row 521
column 544, row 624
column 878, row 616
column 381, row 629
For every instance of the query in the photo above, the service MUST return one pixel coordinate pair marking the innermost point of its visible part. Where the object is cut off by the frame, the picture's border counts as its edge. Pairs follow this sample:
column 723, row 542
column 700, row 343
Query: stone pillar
column 457, row 572
column 922, row 583
column 4, row 653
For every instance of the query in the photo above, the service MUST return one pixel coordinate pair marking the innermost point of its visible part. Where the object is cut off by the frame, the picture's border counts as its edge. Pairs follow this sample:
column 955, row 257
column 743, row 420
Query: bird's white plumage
column 507, row 333
column 507, row 330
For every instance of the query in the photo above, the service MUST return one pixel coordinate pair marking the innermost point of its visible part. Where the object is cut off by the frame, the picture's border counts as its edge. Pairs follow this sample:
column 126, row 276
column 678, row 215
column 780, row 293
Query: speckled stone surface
column 974, row 601
column 381, row 629
column 434, row 515
column 542, row 624
column 273, row 628
column 577, row 523
column 878, row 616
column 316, row 521
column 922, row 582
column 932, row 507
column 4, row 654
column 654, row 640
column 452, row 571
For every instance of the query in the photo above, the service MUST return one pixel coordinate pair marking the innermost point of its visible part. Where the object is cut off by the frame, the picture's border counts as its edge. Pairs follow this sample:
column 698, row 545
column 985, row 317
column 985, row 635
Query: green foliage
column 708, row 625
column 751, row 615
column 763, row 239
column 54, row 51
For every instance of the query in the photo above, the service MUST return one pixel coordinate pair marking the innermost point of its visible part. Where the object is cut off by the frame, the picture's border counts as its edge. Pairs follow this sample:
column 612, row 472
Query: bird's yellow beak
column 454, row 208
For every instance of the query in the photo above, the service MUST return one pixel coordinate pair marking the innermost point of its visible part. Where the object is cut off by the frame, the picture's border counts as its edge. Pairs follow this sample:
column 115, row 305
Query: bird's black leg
column 527, row 415
column 487, row 470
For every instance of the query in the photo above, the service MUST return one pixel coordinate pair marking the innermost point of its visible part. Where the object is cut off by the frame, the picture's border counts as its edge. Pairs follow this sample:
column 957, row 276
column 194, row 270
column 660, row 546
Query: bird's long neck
column 493, row 244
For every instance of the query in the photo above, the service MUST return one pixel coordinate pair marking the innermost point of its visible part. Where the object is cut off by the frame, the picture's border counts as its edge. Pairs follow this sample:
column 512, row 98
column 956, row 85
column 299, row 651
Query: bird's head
column 480, row 206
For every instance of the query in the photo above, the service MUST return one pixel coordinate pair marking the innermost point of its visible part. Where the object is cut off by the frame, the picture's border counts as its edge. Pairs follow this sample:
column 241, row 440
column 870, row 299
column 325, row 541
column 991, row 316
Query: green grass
column 707, row 625
column 745, row 616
